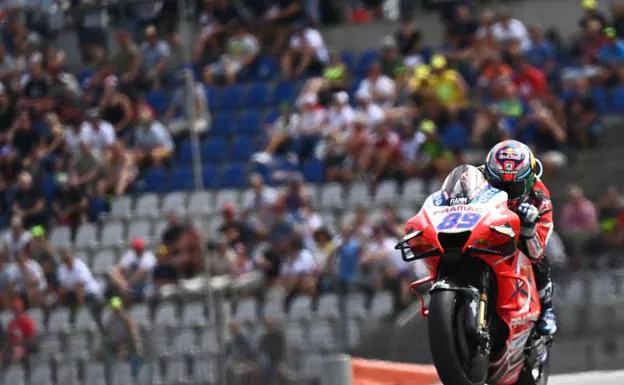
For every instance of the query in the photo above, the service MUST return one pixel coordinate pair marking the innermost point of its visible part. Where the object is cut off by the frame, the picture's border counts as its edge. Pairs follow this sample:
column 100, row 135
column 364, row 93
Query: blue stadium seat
column 232, row 97
column 266, row 68
column 49, row 187
column 617, row 95
column 314, row 171
column 258, row 95
column 210, row 176
column 213, row 96
column 250, row 124
column 159, row 101
column 224, row 124
column 181, row 179
column 348, row 58
column 284, row 92
column 234, row 176
column 155, row 180
column 455, row 136
column 271, row 115
column 184, row 154
column 242, row 149
column 214, row 150
column 365, row 60
column 601, row 99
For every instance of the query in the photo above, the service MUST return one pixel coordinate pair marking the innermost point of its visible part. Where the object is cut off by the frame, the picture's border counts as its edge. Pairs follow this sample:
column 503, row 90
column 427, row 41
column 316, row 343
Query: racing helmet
column 511, row 166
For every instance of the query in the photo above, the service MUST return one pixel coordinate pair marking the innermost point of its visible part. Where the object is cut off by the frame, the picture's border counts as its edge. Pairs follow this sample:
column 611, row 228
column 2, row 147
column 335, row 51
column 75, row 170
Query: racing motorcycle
column 483, row 299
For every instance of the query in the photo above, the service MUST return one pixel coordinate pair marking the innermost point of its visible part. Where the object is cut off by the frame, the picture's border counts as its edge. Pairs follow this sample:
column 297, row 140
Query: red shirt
column 531, row 82
column 20, row 328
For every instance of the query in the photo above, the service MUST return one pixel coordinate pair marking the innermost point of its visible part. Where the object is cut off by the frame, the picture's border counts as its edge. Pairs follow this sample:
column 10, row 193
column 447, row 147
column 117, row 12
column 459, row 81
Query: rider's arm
column 533, row 239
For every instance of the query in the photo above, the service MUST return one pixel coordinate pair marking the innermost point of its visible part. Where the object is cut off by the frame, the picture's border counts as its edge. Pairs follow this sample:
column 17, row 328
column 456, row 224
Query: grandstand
column 225, row 309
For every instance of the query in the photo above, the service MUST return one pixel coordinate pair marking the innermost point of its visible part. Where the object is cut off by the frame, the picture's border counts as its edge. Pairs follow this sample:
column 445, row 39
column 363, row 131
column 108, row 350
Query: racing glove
column 528, row 216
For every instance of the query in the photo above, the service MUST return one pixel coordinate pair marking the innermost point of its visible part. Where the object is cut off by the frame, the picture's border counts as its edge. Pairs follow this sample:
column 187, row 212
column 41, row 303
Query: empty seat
column 232, row 97
column 67, row 374
column 77, row 345
column 193, row 314
column 284, row 92
column 226, row 196
column 413, row 192
column 296, row 335
column 313, row 367
column 103, row 261
column 112, row 235
column 185, row 342
column 41, row 375
column 50, row 346
column 314, row 171
column 322, row 337
column 354, row 334
column 139, row 229
column 328, row 307
column 383, row 304
column 258, row 95
column 147, row 205
column 121, row 207
column 201, row 203
column 140, row 315
column 214, row 150
column 122, row 374
column 14, row 375
column 84, row 321
column 205, row 370
column 94, row 373
column 331, row 196
column 86, row 236
column 37, row 315
column 242, row 149
column 247, row 310
column 59, row 321
column 356, row 306
column 166, row 315
column 60, row 237
column 387, row 193
column 300, row 309
column 274, row 306
column 359, row 195
column 233, row 175
column 250, row 124
column 208, row 341
column 223, row 124
column 175, row 201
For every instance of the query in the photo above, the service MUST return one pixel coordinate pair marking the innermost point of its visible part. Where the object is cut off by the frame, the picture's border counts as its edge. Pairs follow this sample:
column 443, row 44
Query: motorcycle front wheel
column 448, row 342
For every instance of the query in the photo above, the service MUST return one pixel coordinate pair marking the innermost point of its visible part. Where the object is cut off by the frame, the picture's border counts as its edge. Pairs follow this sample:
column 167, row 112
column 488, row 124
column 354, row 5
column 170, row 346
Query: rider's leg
column 547, row 323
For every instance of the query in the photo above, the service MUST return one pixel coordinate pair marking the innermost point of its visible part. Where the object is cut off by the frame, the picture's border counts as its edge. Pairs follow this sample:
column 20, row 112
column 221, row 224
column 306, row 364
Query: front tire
column 444, row 335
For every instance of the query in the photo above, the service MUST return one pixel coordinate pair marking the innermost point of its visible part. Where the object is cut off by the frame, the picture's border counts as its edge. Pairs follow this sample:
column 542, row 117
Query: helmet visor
column 514, row 190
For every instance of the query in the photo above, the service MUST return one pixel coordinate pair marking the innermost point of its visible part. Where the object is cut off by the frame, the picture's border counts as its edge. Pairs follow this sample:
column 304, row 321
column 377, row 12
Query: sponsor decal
column 458, row 201
column 460, row 208
column 438, row 200
column 487, row 195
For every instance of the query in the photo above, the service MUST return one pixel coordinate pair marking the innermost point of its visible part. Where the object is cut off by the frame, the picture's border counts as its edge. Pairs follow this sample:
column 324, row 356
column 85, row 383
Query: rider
column 512, row 167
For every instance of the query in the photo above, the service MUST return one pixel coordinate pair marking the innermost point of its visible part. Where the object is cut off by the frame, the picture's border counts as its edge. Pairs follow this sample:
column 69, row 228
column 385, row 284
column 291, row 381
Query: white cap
column 341, row 97
column 363, row 94
column 308, row 99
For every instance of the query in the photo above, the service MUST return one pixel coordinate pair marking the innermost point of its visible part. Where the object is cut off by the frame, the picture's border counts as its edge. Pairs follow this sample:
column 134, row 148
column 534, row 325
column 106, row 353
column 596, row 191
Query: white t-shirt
column 382, row 89
column 311, row 122
column 14, row 275
column 312, row 38
column 391, row 256
column 14, row 245
column 340, row 119
column 410, row 148
column 79, row 274
column 303, row 264
column 130, row 261
column 514, row 31
column 98, row 139
column 72, row 140
column 374, row 115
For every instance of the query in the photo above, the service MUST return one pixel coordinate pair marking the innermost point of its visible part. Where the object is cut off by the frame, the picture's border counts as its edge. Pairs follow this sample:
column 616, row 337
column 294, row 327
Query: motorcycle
column 483, row 299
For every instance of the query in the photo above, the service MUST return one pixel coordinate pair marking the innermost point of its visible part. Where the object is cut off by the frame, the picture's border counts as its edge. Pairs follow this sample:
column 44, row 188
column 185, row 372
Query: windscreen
column 462, row 185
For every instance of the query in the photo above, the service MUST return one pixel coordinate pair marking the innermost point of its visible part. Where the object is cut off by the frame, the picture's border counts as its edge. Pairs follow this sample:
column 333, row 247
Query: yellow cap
column 428, row 127
column 589, row 4
column 422, row 71
column 438, row 62
column 116, row 303
column 609, row 32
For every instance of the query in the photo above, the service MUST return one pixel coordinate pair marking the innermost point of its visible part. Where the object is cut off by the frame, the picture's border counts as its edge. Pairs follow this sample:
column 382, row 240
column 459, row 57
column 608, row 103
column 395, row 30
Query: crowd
column 70, row 144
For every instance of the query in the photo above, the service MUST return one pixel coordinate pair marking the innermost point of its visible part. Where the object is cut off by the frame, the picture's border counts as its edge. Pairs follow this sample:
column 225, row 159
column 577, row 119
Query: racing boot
column 547, row 322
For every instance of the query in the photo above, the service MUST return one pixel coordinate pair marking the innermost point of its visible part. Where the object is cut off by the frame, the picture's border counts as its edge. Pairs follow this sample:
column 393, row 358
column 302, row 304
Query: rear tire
column 443, row 339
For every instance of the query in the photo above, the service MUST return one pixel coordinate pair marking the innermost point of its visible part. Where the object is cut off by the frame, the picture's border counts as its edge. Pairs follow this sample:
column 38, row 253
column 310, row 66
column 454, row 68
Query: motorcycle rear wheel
column 444, row 335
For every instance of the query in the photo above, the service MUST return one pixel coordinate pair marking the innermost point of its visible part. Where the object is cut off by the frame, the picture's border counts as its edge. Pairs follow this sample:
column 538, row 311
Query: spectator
column 391, row 224
column 35, row 87
column 98, row 134
column 22, row 334
column 214, row 23
column 447, row 85
column 308, row 132
column 86, row 168
column 15, row 240
column 173, row 233
column 242, row 51
column 609, row 210
column 591, row 13
column 579, row 220
column 382, row 154
column 5, row 286
column 390, row 59
column 242, row 353
column 8, row 67
column 306, row 52
column 190, row 258
column 298, row 270
column 8, row 114
column 612, row 52
column 261, row 200
column 26, row 279
column 64, row 90
column 280, row 131
column 221, row 260
column 78, row 287
column 155, row 55
column 120, row 169
column 542, row 54
column 241, row 263
column 71, row 205
column 236, row 231
column 371, row 113
column 433, row 158
column 380, row 87
column 281, row 19
column 116, row 108
column 40, row 248
column 92, row 24
column 508, row 30
column 122, row 337
column 326, row 246
column 131, row 275
column 273, row 349
column 278, row 232
column 25, row 140
column 176, row 58
column 584, row 122
column 407, row 36
column 164, row 272
column 336, row 74
column 127, row 60
column 295, row 195
column 153, row 144
column 531, row 81
column 178, row 115
column 29, row 203
column 463, row 28
column 340, row 115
